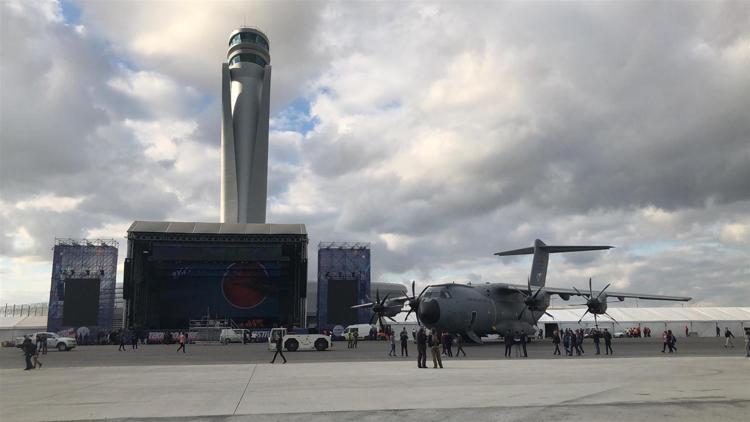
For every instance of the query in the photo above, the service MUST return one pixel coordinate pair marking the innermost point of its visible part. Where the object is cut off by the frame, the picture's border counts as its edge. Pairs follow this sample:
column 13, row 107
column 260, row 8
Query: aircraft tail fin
column 541, row 253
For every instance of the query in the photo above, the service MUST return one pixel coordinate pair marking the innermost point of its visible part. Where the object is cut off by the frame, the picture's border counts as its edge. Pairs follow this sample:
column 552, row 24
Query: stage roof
column 214, row 228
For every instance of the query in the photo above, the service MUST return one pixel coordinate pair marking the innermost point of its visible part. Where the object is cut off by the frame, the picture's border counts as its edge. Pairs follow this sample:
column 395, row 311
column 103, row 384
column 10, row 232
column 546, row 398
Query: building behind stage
column 253, row 274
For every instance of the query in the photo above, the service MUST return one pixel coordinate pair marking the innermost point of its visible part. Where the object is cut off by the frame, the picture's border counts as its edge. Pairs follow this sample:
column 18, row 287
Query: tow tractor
column 294, row 342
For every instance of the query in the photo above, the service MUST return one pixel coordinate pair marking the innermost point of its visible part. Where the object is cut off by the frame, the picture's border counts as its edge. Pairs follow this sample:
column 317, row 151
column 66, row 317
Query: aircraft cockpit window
column 445, row 294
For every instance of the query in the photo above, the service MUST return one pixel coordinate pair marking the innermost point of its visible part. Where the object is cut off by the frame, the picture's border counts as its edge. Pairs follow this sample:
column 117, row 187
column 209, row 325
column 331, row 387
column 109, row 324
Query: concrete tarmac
column 367, row 351
column 615, row 389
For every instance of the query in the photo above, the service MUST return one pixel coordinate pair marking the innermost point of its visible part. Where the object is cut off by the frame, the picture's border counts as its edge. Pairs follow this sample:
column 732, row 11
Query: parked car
column 229, row 335
column 54, row 341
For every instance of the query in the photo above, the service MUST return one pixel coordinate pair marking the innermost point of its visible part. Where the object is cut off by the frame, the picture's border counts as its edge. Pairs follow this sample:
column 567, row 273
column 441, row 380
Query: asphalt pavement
column 367, row 351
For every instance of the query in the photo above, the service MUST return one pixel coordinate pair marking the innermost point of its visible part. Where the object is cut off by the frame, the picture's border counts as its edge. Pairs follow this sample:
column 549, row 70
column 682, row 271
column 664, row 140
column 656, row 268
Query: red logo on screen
column 245, row 285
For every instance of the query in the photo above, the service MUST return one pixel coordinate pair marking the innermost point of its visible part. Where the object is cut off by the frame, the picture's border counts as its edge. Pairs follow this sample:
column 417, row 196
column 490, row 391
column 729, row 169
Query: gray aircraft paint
column 498, row 306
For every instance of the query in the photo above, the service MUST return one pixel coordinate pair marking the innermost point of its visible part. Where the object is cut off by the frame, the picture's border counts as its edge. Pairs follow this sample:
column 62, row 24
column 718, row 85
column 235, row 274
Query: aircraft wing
column 561, row 291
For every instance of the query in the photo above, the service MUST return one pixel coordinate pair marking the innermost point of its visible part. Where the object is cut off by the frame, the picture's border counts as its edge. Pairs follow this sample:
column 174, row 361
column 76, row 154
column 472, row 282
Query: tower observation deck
column 245, row 97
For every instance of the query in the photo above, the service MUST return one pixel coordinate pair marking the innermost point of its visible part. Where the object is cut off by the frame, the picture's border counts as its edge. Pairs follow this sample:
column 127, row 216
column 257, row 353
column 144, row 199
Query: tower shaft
column 246, row 89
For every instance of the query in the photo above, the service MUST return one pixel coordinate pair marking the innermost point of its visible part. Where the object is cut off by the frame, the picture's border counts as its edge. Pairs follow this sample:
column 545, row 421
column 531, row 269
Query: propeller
column 378, row 307
column 414, row 302
column 596, row 305
column 531, row 300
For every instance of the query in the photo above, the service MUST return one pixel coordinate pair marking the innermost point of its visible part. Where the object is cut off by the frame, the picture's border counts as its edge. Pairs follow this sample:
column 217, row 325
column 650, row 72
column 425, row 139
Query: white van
column 362, row 330
column 229, row 335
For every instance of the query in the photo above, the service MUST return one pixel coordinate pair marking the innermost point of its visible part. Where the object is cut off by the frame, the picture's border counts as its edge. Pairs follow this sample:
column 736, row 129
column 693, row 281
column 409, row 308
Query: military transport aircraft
column 480, row 309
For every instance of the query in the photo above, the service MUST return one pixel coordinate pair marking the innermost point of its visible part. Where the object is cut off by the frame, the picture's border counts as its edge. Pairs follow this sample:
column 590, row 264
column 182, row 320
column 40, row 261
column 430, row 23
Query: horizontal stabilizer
column 538, row 244
column 541, row 253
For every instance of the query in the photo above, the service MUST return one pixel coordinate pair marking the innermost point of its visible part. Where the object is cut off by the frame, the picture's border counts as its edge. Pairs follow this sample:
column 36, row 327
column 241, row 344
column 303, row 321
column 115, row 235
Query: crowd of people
column 439, row 344
column 572, row 341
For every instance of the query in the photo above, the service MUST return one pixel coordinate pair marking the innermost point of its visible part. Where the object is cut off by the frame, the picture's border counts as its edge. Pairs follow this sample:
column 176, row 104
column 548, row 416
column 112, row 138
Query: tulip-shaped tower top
column 248, row 45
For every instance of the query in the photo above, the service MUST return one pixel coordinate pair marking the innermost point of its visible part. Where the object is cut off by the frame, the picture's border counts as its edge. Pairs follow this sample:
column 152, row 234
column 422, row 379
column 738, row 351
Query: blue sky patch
column 71, row 12
column 295, row 117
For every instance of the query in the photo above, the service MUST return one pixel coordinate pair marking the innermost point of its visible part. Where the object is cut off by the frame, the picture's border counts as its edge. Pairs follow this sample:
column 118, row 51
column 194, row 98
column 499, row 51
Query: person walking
column 349, row 340
column 38, row 341
column 28, row 348
column 517, row 343
column 566, row 343
column 435, row 348
column 524, row 339
column 392, row 341
column 421, row 348
column 687, row 331
column 134, row 339
column 580, row 341
column 574, row 342
column 44, row 343
column 460, row 345
column 355, row 338
column 728, row 335
column 35, row 357
column 747, row 343
column 122, row 342
column 182, row 339
column 596, row 337
column 404, row 343
column 664, row 341
column 556, row 342
column 450, row 344
column 718, row 331
column 671, row 341
column 608, row 342
column 279, row 347
column 508, row 340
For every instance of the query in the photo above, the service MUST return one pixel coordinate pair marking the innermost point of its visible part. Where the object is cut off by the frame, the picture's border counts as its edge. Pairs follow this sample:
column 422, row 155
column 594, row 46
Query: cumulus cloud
column 439, row 132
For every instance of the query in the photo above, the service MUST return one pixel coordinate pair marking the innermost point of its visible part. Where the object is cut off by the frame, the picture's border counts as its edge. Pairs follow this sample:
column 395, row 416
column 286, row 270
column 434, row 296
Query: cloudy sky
column 439, row 132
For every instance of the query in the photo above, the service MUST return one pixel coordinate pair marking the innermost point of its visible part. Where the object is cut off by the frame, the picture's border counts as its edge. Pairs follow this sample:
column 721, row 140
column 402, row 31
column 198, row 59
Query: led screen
column 81, row 307
column 241, row 291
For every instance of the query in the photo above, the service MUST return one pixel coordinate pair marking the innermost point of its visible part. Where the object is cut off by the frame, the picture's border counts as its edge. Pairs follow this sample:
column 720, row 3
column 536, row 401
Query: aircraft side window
column 445, row 295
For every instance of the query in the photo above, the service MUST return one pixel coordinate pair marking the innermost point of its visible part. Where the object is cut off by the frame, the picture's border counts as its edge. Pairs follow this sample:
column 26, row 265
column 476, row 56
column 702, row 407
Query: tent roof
column 23, row 322
column 654, row 314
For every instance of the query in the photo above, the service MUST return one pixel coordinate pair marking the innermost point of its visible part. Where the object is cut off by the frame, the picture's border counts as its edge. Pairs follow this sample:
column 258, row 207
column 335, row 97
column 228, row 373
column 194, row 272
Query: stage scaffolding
column 83, row 259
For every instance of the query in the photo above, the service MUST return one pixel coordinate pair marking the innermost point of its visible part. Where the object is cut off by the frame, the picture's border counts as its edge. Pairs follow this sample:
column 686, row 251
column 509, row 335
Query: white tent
column 17, row 326
column 700, row 321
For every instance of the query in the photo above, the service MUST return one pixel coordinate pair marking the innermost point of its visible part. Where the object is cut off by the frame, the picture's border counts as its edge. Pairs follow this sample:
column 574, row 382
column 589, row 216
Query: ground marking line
column 245, row 390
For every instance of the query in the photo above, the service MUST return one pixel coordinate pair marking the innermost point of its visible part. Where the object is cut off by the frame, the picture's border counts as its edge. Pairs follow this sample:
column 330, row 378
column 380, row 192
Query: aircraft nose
column 429, row 311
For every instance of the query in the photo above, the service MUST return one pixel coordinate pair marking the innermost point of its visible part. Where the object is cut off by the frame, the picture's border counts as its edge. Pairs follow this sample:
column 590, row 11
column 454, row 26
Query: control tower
column 245, row 98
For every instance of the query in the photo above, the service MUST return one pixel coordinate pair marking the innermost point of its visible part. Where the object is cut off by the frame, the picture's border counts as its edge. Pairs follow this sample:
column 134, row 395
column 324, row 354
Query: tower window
column 247, row 58
column 248, row 37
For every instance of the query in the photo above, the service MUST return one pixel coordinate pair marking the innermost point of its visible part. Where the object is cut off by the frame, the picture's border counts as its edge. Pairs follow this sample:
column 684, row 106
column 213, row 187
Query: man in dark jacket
column 122, row 341
column 404, row 337
column 279, row 348
column 29, row 348
column 508, row 340
column 596, row 337
column 421, row 349
column 608, row 342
